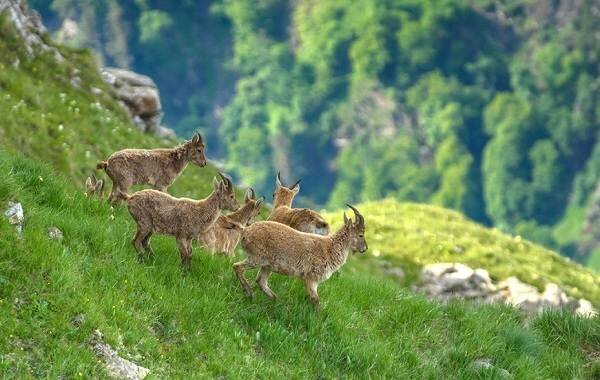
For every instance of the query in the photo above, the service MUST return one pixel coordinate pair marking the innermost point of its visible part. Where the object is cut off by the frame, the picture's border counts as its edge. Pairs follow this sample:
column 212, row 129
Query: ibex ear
column 89, row 184
column 258, row 203
column 216, row 183
column 99, row 187
column 345, row 219
column 248, row 195
column 195, row 139
column 278, row 180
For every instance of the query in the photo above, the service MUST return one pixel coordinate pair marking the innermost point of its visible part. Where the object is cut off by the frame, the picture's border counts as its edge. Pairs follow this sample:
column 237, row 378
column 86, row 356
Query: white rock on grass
column 115, row 365
column 445, row 281
column 55, row 234
column 15, row 215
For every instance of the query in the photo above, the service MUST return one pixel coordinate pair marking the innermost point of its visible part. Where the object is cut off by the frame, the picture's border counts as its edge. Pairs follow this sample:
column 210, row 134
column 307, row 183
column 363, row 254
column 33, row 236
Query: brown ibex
column 183, row 218
column 94, row 186
column 156, row 167
column 218, row 238
column 275, row 247
column 301, row 219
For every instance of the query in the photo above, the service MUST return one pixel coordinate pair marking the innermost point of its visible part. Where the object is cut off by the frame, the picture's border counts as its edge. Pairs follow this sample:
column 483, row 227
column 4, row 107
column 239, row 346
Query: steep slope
column 53, row 294
column 412, row 235
column 61, row 112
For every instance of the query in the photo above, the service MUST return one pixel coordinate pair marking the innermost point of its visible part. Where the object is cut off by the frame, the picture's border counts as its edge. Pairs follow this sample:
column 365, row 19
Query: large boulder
column 139, row 95
column 446, row 281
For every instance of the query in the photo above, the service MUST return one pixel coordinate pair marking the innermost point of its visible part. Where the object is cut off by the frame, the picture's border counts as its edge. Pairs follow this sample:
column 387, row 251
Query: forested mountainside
column 484, row 106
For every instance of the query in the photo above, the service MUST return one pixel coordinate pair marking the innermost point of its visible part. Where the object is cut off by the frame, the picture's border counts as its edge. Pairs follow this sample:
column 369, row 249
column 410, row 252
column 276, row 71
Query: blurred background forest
column 489, row 107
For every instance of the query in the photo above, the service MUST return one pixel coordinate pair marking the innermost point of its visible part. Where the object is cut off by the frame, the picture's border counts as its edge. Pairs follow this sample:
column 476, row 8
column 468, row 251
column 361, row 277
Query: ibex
column 156, row 167
column 183, row 218
column 94, row 186
column 275, row 247
column 301, row 219
column 218, row 238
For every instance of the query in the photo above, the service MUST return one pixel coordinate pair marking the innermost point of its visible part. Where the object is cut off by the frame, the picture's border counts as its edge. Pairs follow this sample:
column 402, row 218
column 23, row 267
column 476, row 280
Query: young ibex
column 183, row 218
column 218, row 238
column 156, row 167
column 275, row 247
column 94, row 186
column 301, row 219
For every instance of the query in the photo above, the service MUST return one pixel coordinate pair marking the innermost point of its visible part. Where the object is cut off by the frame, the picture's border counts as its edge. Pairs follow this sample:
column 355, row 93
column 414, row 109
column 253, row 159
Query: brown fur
column 94, row 186
column 156, row 167
column 183, row 218
column 274, row 247
column 301, row 219
column 218, row 238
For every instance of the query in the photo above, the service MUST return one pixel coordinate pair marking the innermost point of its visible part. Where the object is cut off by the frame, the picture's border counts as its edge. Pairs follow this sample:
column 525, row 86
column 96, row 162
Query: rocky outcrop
column 446, row 281
column 29, row 26
column 139, row 95
column 115, row 365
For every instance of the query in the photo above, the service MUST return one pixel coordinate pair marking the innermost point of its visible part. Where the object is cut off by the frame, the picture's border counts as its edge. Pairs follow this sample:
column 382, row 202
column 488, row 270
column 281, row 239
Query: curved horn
column 359, row 217
column 296, row 184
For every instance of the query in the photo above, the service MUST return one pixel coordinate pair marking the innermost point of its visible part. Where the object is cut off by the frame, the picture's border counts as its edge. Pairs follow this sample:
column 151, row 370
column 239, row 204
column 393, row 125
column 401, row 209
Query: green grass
column 199, row 324
column 45, row 117
column 412, row 235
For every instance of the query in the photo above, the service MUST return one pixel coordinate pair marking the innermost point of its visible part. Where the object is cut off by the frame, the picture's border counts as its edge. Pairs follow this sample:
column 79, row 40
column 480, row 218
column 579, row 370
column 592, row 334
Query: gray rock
column 15, row 215
column 55, row 234
column 115, row 365
column 446, row 281
column 486, row 364
column 78, row 320
column 29, row 26
column 396, row 272
column 139, row 96
column 166, row 133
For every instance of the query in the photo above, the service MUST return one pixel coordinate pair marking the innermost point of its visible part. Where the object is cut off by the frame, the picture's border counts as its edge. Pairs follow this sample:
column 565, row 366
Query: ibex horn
column 278, row 179
column 296, row 184
column 359, row 217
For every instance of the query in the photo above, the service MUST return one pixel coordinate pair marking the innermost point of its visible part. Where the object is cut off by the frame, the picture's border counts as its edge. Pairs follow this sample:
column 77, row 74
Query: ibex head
column 356, row 230
column 251, row 202
column 194, row 150
column 284, row 196
column 225, row 193
column 94, row 186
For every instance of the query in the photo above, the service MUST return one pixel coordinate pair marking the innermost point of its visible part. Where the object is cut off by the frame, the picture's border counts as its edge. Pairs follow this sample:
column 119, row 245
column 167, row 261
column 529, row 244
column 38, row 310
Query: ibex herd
column 292, row 241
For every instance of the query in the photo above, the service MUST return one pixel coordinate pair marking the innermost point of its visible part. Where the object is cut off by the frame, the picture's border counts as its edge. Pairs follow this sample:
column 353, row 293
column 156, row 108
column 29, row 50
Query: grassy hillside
column 50, row 113
column 199, row 324
column 411, row 235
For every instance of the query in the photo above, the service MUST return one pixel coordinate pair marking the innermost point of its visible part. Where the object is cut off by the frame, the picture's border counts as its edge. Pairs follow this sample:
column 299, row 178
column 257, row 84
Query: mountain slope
column 54, row 294
column 413, row 235
column 199, row 324
column 61, row 112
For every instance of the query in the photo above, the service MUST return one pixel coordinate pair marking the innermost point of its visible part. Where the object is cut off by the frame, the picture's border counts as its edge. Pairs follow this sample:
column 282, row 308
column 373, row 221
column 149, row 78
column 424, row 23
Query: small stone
column 396, row 272
column 78, row 320
column 585, row 308
column 15, row 215
column 96, row 91
column 486, row 364
column 55, row 234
